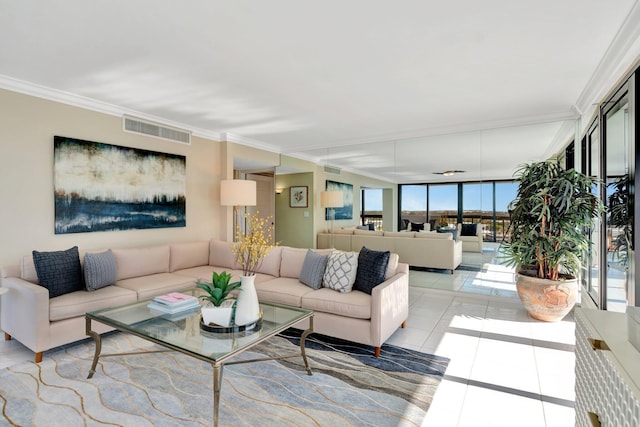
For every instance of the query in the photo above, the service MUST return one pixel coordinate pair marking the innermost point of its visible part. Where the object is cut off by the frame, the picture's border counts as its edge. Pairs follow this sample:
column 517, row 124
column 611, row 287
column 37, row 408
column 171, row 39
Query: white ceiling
column 394, row 90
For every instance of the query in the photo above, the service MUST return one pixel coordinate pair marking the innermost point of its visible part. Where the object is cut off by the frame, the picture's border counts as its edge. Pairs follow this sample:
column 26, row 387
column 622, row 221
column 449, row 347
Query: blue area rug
column 349, row 387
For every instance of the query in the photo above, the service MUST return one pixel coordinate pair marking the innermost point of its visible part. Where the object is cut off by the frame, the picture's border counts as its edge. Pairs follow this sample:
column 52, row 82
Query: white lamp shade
column 331, row 199
column 237, row 192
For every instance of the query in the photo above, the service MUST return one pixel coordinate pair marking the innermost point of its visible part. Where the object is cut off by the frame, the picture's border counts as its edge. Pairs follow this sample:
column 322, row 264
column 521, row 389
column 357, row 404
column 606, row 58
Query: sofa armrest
column 389, row 307
column 25, row 313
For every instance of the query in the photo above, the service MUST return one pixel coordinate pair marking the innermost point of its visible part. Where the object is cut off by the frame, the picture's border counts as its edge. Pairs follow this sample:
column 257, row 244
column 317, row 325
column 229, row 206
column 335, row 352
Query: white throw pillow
column 341, row 270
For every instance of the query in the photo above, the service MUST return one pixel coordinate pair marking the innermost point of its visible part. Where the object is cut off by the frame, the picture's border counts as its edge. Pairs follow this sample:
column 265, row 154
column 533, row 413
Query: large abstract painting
column 345, row 212
column 103, row 187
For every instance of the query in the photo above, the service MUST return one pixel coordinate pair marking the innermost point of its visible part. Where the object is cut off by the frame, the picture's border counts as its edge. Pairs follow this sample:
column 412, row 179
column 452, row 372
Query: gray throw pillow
column 372, row 267
column 59, row 271
column 99, row 270
column 313, row 269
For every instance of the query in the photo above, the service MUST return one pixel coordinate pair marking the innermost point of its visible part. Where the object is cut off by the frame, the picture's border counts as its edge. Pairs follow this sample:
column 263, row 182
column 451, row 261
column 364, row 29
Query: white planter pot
column 216, row 315
column 248, row 307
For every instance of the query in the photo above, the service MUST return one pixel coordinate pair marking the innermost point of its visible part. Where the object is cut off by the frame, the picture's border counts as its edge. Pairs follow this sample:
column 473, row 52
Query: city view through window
column 444, row 204
column 438, row 204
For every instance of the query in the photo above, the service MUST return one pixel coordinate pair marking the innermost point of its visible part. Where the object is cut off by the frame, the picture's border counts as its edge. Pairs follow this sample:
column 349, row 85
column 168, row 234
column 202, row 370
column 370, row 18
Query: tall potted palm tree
column 550, row 217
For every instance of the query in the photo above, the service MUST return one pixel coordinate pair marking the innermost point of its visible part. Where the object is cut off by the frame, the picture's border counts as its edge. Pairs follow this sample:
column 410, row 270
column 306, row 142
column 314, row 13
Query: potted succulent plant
column 220, row 301
column 550, row 218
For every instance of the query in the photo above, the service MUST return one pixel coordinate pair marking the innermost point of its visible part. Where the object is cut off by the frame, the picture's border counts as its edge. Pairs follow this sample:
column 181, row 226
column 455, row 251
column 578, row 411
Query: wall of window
column 468, row 202
column 371, row 207
column 609, row 153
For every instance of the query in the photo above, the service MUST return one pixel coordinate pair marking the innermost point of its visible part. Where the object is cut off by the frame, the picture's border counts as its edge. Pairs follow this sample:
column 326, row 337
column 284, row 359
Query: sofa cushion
column 372, row 267
column 468, row 229
column 188, row 255
column 136, row 262
column 221, row 255
column 342, row 231
column 341, row 270
column 353, row 304
column 435, row 235
column 156, row 284
column 293, row 259
column 313, row 269
column 282, row 290
column 392, row 266
column 271, row 263
column 403, row 234
column 417, row 227
column 77, row 303
column 99, row 270
column 367, row 232
column 59, row 271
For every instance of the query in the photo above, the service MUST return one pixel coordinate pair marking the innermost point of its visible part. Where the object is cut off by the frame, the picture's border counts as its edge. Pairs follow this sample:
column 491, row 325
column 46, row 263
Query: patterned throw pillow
column 313, row 269
column 59, row 271
column 99, row 270
column 341, row 270
column 372, row 267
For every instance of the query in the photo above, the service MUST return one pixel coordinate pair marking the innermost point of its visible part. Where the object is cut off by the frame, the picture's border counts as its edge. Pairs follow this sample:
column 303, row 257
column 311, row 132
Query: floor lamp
column 237, row 193
column 331, row 200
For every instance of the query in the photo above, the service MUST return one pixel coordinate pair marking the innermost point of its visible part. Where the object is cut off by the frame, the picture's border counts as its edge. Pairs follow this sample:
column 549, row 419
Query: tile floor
column 506, row 368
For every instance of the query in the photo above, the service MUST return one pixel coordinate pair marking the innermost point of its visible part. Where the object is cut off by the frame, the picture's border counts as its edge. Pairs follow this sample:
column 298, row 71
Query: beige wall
column 26, row 176
column 294, row 226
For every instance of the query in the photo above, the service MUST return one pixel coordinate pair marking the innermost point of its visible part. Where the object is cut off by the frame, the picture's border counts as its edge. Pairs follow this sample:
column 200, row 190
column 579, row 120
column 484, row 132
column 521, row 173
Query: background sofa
column 42, row 323
column 419, row 249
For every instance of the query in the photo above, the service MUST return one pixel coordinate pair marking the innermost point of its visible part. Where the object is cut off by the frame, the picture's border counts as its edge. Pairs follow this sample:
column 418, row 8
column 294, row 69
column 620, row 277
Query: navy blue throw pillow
column 372, row 267
column 416, row 227
column 469, row 229
column 59, row 271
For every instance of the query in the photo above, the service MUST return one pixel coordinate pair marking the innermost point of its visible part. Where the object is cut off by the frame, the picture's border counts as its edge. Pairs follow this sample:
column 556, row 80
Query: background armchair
column 471, row 237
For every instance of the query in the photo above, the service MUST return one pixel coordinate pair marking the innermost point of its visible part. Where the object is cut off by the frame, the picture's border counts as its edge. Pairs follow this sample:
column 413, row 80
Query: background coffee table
column 181, row 332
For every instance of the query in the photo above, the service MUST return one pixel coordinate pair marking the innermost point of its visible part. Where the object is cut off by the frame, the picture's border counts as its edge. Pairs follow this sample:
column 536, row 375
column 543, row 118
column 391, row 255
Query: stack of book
column 174, row 302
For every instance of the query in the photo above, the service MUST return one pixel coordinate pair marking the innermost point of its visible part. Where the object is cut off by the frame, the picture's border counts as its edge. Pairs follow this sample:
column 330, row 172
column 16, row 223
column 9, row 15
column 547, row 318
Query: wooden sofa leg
column 452, row 271
column 404, row 324
column 39, row 357
column 7, row 337
column 377, row 352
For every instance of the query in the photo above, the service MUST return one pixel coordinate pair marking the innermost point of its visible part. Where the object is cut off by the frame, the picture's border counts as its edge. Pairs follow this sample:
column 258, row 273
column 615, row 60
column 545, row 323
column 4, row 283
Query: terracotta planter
column 547, row 300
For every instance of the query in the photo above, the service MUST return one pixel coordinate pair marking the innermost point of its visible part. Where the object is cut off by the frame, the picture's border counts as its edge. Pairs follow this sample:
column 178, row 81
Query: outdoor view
column 478, row 203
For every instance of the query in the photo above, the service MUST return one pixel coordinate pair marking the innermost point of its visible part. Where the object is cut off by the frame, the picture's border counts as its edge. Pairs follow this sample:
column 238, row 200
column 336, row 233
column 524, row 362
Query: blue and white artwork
column 345, row 212
column 104, row 187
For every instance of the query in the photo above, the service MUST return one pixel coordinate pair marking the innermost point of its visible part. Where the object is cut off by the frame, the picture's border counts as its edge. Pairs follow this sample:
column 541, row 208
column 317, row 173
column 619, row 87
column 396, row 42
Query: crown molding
column 616, row 61
column 74, row 100
column 249, row 142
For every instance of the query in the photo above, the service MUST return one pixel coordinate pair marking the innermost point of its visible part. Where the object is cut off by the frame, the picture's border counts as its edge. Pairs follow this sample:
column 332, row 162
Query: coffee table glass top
column 181, row 331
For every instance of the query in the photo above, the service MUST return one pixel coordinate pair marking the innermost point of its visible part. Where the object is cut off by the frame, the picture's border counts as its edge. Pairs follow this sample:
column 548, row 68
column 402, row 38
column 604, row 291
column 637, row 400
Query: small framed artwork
column 299, row 197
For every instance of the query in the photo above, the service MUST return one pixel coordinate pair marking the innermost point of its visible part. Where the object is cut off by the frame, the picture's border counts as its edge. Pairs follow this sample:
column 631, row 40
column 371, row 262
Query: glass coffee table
column 181, row 332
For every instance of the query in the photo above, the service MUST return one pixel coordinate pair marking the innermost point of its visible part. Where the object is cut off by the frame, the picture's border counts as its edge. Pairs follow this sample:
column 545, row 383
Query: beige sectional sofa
column 41, row 323
column 418, row 249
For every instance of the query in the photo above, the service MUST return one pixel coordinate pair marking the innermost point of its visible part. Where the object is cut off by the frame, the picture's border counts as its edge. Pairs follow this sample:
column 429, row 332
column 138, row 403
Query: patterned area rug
column 349, row 387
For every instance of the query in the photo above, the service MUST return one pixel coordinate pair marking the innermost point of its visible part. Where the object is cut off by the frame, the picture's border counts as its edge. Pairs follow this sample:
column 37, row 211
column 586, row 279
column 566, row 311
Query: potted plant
column 220, row 304
column 550, row 218
column 250, row 249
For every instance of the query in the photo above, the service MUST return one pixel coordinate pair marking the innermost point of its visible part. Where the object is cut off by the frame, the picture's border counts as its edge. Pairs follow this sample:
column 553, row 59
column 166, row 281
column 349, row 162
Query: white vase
column 248, row 307
column 216, row 315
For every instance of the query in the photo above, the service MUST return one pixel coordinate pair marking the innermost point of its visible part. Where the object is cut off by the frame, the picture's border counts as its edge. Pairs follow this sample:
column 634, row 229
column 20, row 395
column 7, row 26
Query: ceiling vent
column 134, row 125
column 332, row 169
